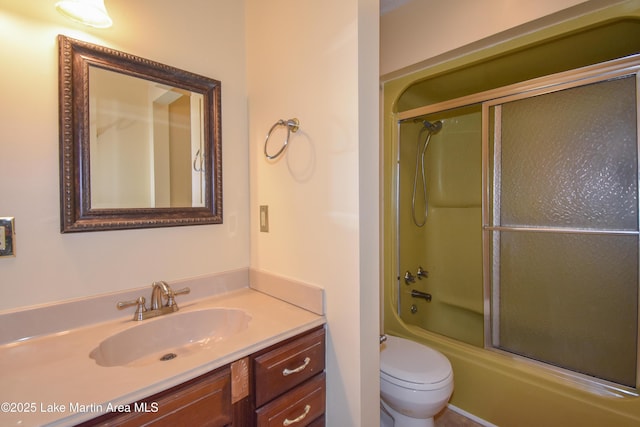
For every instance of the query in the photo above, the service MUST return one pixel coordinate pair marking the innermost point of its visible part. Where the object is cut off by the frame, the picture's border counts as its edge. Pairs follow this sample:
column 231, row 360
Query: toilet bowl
column 416, row 383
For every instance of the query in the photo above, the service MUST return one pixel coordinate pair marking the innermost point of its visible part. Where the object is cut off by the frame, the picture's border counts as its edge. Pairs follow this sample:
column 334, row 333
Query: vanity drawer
column 303, row 406
column 287, row 366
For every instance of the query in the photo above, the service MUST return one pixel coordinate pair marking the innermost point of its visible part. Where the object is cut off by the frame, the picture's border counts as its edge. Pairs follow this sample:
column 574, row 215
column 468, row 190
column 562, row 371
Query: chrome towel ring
column 292, row 126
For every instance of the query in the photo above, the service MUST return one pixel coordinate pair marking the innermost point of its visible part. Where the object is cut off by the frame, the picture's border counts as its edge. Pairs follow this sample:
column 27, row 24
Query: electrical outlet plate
column 7, row 237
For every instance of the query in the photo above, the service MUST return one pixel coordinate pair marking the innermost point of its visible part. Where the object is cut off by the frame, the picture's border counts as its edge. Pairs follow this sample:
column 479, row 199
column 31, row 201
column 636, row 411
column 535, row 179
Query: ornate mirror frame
column 76, row 213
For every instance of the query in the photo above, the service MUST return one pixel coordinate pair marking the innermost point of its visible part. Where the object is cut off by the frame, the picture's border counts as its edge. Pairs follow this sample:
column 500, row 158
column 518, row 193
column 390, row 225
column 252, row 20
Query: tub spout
column 419, row 294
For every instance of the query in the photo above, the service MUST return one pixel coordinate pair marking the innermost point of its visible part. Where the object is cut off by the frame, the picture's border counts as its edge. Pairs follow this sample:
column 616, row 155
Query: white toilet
column 416, row 383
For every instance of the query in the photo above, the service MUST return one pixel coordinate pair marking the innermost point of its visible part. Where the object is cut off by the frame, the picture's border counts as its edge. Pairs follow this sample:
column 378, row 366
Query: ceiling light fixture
column 88, row 12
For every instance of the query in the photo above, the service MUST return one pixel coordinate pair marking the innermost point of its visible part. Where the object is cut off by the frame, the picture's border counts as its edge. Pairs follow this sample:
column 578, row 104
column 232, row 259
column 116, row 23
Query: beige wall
column 419, row 32
column 318, row 61
column 49, row 266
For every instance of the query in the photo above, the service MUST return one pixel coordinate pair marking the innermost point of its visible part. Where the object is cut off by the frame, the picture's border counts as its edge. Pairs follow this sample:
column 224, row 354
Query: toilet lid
column 412, row 362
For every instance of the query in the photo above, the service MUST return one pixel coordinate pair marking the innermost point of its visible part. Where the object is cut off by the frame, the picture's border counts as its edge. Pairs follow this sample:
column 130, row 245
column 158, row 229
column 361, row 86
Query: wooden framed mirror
column 140, row 142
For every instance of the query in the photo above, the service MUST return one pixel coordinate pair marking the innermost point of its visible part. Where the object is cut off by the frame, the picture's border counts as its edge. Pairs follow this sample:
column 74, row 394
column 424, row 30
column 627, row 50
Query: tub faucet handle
column 409, row 278
column 422, row 273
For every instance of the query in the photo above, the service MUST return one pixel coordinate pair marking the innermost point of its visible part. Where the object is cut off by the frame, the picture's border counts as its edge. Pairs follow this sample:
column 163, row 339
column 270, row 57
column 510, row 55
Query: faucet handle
column 182, row 291
column 171, row 302
column 141, row 307
column 422, row 273
column 409, row 278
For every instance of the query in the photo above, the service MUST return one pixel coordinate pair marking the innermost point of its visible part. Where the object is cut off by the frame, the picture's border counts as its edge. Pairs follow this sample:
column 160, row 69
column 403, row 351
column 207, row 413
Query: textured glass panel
column 569, row 158
column 571, row 300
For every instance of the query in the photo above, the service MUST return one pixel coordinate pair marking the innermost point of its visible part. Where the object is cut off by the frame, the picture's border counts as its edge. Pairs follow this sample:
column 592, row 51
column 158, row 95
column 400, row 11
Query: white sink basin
column 173, row 335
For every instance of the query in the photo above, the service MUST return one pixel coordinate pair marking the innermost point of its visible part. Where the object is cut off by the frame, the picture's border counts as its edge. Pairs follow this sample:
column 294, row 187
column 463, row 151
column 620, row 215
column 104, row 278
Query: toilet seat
column 409, row 364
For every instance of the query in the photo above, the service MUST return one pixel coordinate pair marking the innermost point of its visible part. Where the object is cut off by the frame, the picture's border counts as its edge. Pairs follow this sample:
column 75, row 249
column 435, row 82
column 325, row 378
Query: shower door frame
column 625, row 66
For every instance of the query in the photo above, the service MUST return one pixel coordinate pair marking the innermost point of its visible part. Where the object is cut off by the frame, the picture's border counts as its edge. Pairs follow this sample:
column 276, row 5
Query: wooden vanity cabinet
column 302, row 406
column 204, row 401
column 283, row 385
column 289, row 382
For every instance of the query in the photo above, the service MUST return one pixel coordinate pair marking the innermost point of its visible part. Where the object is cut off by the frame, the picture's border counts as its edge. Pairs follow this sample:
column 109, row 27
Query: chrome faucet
column 159, row 292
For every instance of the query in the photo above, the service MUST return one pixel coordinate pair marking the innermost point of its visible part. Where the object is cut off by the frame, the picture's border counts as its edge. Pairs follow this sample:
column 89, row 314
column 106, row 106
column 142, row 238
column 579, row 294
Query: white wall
column 206, row 37
column 317, row 61
column 424, row 29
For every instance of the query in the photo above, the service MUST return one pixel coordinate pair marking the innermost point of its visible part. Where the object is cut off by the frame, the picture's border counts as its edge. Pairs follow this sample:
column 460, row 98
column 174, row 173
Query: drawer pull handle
column 288, row 422
column 286, row 372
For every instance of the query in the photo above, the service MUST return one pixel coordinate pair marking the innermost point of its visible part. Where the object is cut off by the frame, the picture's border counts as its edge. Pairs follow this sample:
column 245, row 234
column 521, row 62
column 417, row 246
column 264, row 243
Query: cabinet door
column 202, row 402
column 298, row 408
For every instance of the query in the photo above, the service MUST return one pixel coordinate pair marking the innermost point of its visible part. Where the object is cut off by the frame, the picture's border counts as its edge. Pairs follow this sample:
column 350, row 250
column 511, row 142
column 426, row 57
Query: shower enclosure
column 517, row 221
column 440, row 224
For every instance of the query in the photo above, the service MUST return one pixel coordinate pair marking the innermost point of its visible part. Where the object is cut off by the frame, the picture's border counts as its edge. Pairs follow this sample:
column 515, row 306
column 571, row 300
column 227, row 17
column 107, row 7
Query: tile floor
column 449, row 418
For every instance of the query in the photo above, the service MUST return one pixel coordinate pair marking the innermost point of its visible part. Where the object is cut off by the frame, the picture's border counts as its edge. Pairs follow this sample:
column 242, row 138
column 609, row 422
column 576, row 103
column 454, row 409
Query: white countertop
column 51, row 380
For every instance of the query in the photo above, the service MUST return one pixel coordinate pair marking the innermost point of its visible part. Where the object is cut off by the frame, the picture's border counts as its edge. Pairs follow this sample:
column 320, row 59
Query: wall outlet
column 264, row 218
column 7, row 237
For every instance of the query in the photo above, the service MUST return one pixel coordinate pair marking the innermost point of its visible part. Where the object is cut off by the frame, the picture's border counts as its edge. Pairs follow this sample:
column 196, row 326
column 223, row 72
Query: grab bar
column 292, row 126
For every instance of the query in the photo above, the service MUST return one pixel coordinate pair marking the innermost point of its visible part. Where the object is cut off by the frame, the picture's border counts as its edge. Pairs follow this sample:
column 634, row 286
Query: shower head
column 432, row 127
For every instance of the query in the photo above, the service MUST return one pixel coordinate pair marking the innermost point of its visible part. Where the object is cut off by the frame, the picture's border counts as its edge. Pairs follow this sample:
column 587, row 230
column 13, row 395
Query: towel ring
column 292, row 126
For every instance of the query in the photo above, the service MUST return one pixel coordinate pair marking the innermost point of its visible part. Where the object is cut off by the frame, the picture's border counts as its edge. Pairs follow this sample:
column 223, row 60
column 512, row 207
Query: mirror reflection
column 146, row 143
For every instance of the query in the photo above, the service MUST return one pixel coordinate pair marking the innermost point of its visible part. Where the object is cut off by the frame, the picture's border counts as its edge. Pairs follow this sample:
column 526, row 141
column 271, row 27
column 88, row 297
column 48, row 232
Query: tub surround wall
column 449, row 245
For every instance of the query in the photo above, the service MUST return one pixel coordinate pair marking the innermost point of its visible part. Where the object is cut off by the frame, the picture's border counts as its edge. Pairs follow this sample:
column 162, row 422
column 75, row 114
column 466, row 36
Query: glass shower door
column 561, row 228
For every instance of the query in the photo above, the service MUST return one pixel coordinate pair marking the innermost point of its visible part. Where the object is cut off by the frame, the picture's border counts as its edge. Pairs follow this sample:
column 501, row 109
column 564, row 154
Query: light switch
column 264, row 218
column 7, row 237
